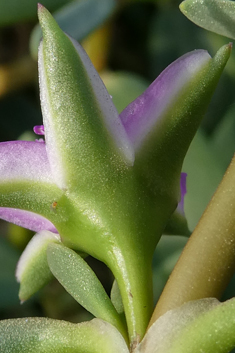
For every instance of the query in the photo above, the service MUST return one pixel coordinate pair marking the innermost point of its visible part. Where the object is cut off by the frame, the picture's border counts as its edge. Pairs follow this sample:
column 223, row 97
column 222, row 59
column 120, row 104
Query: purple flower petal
column 143, row 113
column 183, row 190
column 26, row 219
column 24, row 160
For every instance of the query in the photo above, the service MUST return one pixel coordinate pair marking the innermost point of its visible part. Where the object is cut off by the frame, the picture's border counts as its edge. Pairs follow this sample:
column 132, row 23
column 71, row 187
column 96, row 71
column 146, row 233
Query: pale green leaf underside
column 81, row 282
column 29, row 195
column 217, row 16
column 41, row 335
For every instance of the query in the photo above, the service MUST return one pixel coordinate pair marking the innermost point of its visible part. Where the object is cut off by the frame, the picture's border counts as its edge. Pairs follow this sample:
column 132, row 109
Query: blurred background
column 130, row 43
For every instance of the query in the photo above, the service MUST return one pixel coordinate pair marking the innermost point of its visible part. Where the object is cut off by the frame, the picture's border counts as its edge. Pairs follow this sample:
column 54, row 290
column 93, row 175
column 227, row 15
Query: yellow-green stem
column 208, row 260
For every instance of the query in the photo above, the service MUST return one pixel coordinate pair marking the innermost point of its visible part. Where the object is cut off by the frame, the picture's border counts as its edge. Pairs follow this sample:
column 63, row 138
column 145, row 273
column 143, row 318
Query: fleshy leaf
column 82, row 126
column 32, row 270
column 53, row 336
column 145, row 112
column 81, row 282
column 217, row 16
column 177, row 116
column 78, row 19
column 203, row 325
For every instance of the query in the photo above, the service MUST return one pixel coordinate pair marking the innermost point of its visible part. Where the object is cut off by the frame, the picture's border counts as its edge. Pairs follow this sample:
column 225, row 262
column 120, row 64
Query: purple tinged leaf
column 24, row 160
column 26, row 219
column 140, row 116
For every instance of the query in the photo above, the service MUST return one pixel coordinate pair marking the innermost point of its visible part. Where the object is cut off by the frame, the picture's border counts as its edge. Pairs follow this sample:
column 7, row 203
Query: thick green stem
column 134, row 277
column 208, row 260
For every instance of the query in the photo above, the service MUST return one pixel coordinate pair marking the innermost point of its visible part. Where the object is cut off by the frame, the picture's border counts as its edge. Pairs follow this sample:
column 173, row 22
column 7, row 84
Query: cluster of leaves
column 208, row 156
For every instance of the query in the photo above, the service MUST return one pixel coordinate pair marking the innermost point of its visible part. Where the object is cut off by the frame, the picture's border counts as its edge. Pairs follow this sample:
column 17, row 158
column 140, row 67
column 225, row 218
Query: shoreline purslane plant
column 105, row 185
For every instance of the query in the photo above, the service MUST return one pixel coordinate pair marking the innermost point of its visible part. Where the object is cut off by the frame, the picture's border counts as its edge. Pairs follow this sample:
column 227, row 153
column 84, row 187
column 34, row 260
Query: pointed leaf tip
column 40, row 9
column 32, row 269
column 143, row 115
column 95, row 132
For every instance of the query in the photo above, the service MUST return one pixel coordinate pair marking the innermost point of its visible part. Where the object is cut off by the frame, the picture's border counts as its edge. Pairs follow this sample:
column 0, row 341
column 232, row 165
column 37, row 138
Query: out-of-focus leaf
column 164, row 46
column 81, row 282
column 165, row 257
column 204, row 175
column 77, row 19
column 223, row 139
column 8, row 286
column 53, row 336
column 124, row 87
column 217, row 16
column 12, row 11
column 21, row 116
column 167, row 42
column 17, row 74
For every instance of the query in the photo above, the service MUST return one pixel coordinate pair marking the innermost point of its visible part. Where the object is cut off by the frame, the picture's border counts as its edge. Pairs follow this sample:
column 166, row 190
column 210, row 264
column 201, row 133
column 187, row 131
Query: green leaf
column 169, row 142
column 203, row 325
column 177, row 225
column 116, row 298
column 13, row 11
column 32, row 270
column 74, row 144
column 81, row 282
column 165, row 257
column 53, row 336
column 124, row 87
column 204, row 175
column 78, row 19
column 40, row 194
column 222, row 140
column 217, row 16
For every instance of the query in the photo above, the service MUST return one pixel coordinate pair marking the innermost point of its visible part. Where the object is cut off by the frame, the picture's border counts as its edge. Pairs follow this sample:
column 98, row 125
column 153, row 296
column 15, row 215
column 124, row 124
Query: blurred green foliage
column 142, row 38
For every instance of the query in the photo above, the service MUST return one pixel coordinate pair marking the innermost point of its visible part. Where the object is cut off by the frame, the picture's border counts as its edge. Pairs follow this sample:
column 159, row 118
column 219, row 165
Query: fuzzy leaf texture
column 216, row 16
